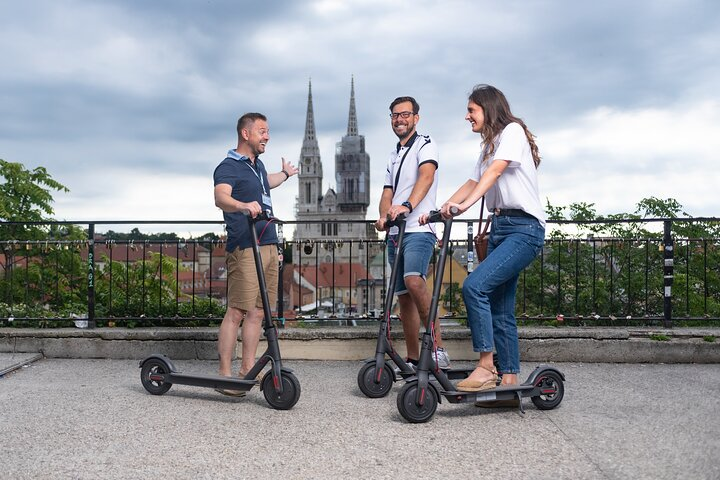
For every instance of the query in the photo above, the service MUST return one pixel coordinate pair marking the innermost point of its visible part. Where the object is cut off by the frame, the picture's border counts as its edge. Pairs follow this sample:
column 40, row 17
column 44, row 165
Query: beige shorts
column 243, row 286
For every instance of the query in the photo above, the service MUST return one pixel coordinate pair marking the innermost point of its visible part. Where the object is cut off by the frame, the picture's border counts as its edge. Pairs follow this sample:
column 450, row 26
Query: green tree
column 136, row 234
column 452, row 299
column 615, row 269
column 25, row 196
column 148, row 288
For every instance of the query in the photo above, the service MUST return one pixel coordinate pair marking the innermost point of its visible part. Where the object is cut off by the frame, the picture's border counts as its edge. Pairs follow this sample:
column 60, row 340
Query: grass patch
column 660, row 337
column 709, row 338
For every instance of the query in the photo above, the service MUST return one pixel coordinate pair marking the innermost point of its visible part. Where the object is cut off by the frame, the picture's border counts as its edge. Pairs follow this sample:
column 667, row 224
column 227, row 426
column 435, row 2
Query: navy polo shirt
column 245, row 179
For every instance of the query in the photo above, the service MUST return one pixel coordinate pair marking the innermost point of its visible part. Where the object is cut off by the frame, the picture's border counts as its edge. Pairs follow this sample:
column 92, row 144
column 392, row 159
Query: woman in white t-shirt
column 506, row 173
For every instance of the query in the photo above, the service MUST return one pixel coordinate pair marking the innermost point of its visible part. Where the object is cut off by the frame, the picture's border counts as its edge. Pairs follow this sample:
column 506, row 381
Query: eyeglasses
column 394, row 116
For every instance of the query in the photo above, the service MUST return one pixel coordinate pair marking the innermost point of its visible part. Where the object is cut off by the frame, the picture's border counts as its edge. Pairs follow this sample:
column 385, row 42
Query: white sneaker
column 441, row 358
column 398, row 375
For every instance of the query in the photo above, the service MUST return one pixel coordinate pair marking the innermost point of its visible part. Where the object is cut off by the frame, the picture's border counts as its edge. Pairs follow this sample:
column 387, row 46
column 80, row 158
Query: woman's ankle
column 486, row 362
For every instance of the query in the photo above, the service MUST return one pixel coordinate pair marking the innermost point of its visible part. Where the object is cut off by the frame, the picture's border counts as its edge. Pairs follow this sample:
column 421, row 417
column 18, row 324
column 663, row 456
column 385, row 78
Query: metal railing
column 60, row 281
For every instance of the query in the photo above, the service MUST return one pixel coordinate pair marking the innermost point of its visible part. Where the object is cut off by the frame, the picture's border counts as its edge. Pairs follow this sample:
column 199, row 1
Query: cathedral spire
column 352, row 130
column 310, row 144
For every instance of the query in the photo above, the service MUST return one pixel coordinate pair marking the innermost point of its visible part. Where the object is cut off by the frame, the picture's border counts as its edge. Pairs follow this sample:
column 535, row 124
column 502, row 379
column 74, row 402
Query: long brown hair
column 498, row 116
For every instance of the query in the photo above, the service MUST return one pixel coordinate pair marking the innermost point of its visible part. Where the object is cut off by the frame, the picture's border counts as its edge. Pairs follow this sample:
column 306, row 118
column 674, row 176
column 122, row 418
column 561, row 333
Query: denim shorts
column 417, row 249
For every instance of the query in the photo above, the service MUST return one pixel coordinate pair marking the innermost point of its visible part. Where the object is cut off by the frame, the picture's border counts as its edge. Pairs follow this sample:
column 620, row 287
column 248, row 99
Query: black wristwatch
column 408, row 205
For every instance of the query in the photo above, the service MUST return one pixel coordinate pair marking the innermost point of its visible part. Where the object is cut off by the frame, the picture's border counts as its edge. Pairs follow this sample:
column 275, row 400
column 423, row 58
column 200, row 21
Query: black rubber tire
column 290, row 394
column 412, row 412
column 366, row 380
column 549, row 380
column 154, row 365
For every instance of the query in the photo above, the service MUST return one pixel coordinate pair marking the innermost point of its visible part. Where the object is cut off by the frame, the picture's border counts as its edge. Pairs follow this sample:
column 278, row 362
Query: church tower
column 310, row 176
column 349, row 201
column 352, row 167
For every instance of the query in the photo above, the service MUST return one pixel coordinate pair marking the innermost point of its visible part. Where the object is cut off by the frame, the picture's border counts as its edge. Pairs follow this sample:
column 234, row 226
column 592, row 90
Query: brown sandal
column 231, row 393
column 468, row 385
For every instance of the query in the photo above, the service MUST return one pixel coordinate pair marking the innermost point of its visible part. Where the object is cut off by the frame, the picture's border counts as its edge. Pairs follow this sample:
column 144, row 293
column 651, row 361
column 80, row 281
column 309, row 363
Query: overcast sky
column 132, row 104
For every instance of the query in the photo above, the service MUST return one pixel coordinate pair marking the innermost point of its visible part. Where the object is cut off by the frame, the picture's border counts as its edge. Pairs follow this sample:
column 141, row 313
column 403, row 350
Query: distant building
column 348, row 201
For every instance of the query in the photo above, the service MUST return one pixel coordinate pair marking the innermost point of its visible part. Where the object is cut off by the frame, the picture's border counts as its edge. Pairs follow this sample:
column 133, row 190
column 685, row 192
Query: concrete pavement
column 90, row 419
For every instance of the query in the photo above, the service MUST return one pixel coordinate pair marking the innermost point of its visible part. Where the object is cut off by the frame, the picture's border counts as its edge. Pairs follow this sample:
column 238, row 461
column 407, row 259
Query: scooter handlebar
column 434, row 216
column 395, row 223
column 264, row 215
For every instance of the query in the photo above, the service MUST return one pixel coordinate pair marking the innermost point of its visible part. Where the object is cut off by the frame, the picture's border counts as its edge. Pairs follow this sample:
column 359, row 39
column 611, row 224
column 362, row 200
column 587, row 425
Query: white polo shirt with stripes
column 402, row 175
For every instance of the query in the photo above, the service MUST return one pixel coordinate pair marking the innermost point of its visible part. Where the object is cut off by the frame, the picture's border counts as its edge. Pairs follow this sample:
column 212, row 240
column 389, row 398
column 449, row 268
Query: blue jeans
column 417, row 248
column 489, row 291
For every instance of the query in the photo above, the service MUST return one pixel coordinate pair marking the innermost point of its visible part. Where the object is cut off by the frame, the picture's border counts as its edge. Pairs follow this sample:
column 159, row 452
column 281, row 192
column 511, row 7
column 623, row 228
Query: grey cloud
column 186, row 70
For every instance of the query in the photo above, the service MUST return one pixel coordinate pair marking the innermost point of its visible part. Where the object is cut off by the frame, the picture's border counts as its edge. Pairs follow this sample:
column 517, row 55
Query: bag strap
column 480, row 220
column 409, row 146
column 487, row 224
column 482, row 203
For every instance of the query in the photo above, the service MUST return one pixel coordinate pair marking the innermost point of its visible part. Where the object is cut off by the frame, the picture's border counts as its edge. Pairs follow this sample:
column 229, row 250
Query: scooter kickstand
column 520, row 405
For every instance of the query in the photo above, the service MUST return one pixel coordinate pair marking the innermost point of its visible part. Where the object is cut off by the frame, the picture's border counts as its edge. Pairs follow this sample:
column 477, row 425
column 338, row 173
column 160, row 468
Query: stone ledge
column 565, row 344
column 210, row 333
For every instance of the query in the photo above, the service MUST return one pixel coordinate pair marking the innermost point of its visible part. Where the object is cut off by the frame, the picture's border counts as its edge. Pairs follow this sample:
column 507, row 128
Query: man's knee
column 254, row 316
column 415, row 283
column 235, row 315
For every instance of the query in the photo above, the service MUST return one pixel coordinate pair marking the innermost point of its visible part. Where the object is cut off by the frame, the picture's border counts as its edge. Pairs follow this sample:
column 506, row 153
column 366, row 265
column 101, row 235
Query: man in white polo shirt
column 410, row 188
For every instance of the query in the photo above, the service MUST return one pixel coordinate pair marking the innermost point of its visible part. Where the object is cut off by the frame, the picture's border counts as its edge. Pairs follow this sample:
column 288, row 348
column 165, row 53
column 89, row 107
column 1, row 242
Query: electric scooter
column 376, row 376
column 419, row 397
column 279, row 385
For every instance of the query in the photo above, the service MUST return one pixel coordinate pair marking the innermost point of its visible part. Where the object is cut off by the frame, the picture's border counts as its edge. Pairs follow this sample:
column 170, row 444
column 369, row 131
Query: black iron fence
column 64, row 274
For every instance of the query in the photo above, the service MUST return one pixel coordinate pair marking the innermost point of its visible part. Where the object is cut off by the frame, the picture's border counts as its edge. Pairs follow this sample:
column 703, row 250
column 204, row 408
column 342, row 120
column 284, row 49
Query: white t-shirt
column 402, row 175
column 517, row 187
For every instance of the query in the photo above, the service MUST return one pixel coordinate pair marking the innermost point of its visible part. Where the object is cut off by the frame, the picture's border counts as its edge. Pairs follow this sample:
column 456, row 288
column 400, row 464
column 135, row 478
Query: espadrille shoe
column 469, row 385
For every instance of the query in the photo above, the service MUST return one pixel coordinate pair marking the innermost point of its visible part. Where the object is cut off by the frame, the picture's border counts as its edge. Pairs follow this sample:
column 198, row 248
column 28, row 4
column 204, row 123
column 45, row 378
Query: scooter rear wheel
column 552, row 390
column 290, row 390
column 410, row 410
column 151, row 367
column 367, row 376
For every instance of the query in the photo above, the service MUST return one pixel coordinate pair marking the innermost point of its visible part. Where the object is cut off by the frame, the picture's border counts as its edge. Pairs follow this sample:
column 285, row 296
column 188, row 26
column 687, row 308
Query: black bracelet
column 407, row 205
column 287, row 175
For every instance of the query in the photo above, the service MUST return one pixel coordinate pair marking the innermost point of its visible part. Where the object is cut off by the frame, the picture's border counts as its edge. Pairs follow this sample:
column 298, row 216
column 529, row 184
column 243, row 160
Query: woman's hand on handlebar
column 423, row 220
column 451, row 209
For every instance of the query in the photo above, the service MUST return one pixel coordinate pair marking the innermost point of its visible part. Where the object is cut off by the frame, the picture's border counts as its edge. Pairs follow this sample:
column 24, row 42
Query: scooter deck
column 451, row 374
column 209, row 381
column 497, row 393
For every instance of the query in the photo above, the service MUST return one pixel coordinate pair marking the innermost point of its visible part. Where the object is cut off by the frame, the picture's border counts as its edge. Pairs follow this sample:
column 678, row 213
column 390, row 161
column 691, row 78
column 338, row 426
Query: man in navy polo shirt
column 243, row 184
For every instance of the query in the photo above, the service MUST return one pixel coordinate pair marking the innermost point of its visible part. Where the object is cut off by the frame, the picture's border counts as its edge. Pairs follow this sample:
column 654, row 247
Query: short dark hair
column 415, row 104
column 249, row 118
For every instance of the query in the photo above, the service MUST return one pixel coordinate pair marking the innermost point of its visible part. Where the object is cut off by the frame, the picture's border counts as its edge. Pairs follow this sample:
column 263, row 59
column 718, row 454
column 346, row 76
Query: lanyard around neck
column 257, row 174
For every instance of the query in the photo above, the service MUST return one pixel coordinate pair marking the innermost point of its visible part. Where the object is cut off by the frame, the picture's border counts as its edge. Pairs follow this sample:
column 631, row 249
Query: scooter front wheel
column 367, row 377
column 410, row 410
column 150, row 370
column 290, row 390
column 552, row 390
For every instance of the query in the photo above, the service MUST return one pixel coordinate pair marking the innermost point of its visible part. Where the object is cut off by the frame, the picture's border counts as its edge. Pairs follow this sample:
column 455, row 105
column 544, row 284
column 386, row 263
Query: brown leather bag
column 481, row 239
